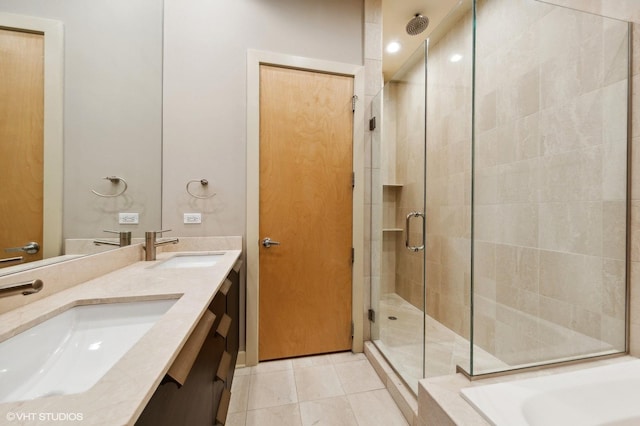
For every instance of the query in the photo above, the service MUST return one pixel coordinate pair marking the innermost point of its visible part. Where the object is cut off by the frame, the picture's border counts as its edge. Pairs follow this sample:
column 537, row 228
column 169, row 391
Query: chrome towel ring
column 114, row 180
column 203, row 182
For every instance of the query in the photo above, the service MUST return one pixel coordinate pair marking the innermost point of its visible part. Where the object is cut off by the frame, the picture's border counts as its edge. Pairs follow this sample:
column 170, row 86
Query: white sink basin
column 191, row 261
column 70, row 352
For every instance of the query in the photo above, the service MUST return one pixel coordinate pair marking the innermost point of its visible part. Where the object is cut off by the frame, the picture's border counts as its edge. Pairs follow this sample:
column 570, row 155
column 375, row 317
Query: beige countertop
column 121, row 394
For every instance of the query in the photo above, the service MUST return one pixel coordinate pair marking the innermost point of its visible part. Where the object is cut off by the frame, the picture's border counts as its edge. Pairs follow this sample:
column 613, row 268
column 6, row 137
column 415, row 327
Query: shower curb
column 404, row 398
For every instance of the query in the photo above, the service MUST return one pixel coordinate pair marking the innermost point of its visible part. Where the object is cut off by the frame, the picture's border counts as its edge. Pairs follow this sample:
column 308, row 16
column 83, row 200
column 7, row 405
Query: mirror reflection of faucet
column 151, row 242
column 24, row 288
column 124, row 239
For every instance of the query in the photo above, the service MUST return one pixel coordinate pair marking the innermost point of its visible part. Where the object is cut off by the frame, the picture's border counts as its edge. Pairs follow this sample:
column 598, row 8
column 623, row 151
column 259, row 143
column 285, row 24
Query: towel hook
column 114, row 180
column 203, row 182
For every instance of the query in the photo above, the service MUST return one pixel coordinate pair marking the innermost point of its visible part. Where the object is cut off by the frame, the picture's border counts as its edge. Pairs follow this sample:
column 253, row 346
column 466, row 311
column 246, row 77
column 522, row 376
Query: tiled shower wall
column 448, row 169
column 628, row 10
column 448, row 184
column 409, row 146
column 550, row 163
column 530, row 208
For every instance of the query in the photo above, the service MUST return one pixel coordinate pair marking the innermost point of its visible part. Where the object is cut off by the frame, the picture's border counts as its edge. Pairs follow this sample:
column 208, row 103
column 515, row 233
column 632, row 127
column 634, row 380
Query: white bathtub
column 605, row 395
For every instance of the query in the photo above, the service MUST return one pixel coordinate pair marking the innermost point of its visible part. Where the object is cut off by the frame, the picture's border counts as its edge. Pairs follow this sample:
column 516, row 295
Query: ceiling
column 395, row 15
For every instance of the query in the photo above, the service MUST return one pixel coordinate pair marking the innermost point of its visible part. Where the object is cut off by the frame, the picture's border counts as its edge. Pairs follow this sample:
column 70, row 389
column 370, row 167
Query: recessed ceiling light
column 456, row 57
column 393, row 47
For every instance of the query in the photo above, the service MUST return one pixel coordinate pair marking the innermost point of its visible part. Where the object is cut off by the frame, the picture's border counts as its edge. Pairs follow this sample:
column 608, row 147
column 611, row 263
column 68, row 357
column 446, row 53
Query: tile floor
column 332, row 390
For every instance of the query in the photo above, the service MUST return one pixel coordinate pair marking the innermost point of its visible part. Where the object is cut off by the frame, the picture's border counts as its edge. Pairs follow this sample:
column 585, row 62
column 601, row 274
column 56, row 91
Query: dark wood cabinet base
column 203, row 398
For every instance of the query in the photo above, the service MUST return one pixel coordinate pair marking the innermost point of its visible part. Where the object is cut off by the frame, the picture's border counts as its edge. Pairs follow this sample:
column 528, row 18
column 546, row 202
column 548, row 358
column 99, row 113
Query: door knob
column 267, row 242
column 30, row 248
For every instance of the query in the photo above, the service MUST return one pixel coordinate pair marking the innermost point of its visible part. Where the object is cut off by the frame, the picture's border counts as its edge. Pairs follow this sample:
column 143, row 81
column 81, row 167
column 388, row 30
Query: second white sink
column 191, row 261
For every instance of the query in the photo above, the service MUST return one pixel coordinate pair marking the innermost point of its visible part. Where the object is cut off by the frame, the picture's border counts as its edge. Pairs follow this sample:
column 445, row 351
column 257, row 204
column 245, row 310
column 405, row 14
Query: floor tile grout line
column 298, row 408
column 246, row 408
column 344, row 392
column 355, row 416
column 295, row 386
column 300, row 413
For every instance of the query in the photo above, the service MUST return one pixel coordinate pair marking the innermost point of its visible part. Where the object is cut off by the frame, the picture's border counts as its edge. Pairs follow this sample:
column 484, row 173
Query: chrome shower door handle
column 408, row 231
column 29, row 248
column 268, row 242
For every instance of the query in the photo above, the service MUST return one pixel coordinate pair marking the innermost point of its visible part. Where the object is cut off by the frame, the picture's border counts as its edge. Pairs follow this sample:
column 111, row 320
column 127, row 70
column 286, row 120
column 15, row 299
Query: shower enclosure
column 499, row 193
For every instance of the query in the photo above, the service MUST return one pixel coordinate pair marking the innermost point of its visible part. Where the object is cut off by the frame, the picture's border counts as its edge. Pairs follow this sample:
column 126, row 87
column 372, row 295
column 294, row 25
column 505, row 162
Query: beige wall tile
column 613, row 288
column 558, row 271
column 550, row 172
column 373, row 78
column 635, row 231
column 517, row 267
column 635, row 166
column 574, row 227
column 614, row 218
column 373, row 11
column 634, row 303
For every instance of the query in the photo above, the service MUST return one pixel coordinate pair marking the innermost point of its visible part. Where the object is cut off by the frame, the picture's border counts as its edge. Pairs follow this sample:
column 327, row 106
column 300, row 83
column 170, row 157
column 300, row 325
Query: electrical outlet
column 128, row 218
column 192, row 218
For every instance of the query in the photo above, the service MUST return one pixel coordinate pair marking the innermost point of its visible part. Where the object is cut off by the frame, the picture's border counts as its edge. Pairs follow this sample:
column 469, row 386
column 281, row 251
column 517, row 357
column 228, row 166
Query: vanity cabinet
column 197, row 388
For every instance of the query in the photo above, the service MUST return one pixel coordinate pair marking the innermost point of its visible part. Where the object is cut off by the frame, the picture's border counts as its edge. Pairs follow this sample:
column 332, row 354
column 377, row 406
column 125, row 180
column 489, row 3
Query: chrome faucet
column 123, row 236
column 25, row 288
column 151, row 242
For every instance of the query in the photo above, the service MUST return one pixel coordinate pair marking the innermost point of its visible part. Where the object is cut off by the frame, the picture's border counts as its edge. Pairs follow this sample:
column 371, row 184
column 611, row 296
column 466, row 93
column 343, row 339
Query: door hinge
column 353, row 180
column 372, row 124
column 371, row 315
column 352, row 329
column 353, row 255
column 354, row 99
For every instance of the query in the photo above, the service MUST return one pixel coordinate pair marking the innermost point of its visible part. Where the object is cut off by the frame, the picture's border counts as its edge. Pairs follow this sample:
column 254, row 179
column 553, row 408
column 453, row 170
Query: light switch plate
column 190, row 218
column 128, row 218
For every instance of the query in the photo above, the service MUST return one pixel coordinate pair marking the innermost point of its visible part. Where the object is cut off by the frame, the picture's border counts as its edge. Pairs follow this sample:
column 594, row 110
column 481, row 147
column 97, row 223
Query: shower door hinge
column 353, row 180
column 372, row 124
column 372, row 315
column 354, row 99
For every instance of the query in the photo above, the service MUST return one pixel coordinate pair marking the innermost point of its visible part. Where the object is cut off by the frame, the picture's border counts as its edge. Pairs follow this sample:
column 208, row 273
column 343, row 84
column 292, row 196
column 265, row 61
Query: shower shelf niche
column 389, row 197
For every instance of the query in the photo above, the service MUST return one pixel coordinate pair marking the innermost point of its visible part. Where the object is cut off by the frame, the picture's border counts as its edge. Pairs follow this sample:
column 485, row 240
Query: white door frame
column 53, row 122
column 254, row 59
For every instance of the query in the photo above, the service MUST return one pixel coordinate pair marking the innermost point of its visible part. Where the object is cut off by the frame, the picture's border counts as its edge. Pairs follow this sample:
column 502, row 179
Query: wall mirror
column 109, row 117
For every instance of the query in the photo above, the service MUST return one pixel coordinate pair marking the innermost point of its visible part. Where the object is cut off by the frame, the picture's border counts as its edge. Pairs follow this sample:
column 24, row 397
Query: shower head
column 417, row 24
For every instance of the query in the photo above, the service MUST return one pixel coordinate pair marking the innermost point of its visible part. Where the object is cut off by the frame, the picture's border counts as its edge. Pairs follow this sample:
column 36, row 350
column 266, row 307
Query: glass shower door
column 398, row 220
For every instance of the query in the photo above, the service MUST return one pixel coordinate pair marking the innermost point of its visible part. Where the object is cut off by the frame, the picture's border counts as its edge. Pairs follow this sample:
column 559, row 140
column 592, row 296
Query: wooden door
column 21, row 142
column 306, row 149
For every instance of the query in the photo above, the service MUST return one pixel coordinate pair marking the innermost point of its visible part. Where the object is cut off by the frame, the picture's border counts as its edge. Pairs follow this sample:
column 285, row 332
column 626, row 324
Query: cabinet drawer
column 219, row 304
column 223, row 407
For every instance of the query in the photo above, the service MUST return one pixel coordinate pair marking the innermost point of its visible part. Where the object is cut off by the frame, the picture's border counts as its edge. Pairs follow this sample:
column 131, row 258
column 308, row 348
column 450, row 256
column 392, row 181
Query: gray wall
column 205, row 54
column 114, row 121
column 112, row 108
